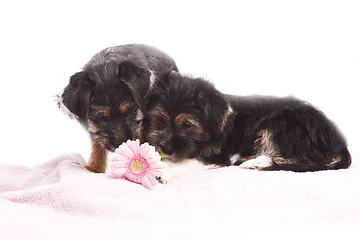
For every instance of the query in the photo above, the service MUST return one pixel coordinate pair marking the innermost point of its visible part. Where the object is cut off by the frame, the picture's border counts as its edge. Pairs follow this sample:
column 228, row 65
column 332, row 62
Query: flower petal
column 144, row 149
column 125, row 151
column 152, row 156
column 119, row 158
column 157, row 165
column 153, row 180
column 118, row 164
column 154, row 159
column 118, row 172
column 125, row 154
column 146, row 182
column 154, row 172
column 133, row 145
column 130, row 177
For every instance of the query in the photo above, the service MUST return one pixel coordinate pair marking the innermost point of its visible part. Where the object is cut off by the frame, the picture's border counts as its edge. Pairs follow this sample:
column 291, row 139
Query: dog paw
column 161, row 180
column 258, row 163
column 168, row 176
column 175, row 171
column 95, row 169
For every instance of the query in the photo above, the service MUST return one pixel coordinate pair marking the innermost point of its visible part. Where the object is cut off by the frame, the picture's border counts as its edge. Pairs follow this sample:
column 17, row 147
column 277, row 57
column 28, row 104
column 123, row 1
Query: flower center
column 137, row 166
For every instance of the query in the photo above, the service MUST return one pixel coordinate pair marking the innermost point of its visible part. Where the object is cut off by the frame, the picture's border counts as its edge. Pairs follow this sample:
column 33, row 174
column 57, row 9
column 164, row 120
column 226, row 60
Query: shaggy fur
column 189, row 118
column 107, row 97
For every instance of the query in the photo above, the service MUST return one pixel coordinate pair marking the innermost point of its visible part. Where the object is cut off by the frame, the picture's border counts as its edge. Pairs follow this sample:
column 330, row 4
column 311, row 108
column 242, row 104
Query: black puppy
column 189, row 119
column 107, row 97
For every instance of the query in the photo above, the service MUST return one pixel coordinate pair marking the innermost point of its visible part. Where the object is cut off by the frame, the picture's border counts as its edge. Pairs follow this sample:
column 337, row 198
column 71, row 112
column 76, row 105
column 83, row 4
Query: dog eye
column 159, row 124
column 101, row 117
column 125, row 107
column 187, row 124
column 102, row 114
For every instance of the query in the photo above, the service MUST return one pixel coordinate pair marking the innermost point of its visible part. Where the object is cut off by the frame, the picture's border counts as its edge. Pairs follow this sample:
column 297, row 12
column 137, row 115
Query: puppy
column 188, row 118
column 107, row 96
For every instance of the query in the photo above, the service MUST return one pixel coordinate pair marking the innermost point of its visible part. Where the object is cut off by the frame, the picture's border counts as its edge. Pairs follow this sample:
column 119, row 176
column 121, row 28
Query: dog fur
column 107, row 96
column 188, row 118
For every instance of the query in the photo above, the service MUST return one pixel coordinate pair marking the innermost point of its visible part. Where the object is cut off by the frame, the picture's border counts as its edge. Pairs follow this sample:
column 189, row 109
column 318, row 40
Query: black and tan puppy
column 107, row 97
column 189, row 119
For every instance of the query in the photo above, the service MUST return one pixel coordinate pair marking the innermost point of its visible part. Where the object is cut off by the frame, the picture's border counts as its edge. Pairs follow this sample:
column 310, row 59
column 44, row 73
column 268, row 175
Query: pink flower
column 138, row 163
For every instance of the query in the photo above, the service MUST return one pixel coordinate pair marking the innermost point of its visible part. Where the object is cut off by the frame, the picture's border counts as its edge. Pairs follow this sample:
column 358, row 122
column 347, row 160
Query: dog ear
column 76, row 95
column 137, row 79
column 217, row 111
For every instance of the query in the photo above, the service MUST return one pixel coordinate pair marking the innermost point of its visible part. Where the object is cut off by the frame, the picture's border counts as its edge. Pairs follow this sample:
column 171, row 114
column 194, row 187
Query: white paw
column 169, row 174
column 234, row 158
column 257, row 163
column 176, row 170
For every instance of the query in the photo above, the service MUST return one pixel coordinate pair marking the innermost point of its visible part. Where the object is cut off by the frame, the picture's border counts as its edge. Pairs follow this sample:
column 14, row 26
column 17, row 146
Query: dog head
column 186, row 117
column 108, row 100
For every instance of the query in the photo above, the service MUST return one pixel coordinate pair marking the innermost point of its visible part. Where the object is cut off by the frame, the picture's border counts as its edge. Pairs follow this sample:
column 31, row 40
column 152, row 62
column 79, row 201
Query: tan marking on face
column 92, row 127
column 182, row 118
column 185, row 118
column 160, row 114
column 103, row 112
column 124, row 107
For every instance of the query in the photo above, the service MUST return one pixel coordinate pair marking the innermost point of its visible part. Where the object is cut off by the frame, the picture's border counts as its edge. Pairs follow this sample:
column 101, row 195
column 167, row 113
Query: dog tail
column 295, row 167
column 342, row 160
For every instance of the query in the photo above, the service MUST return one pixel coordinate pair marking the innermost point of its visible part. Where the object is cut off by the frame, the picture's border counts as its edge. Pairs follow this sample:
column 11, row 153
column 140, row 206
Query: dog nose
column 112, row 143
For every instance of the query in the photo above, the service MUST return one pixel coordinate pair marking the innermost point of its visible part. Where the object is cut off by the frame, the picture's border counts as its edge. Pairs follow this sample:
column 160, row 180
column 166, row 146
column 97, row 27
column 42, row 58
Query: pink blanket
column 61, row 200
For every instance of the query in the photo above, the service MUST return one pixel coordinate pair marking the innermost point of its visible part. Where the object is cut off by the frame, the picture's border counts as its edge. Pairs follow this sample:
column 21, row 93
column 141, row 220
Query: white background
column 309, row 49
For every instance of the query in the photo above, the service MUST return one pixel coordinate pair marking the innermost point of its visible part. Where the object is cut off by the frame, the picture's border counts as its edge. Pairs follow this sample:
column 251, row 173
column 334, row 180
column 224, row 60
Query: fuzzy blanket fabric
column 60, row 199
